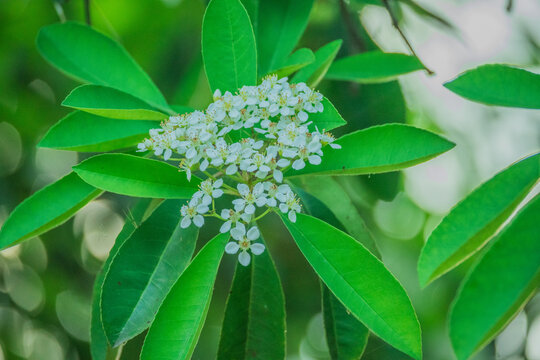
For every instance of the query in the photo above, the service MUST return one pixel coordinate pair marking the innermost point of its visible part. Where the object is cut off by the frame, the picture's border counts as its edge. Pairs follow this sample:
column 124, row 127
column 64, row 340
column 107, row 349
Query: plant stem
column 402, row 34
column 349, row 25
column 87, row 12
column 263, row 214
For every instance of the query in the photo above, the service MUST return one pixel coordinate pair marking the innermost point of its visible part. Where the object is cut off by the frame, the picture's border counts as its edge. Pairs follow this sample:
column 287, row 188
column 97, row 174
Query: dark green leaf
column 180, row 318
column 373, row 66
column 112, row 103
column 46, row 209
column 89, row 56
column 297, row 60
column 254, row 323
column 143, row 271
column 378, row 149
column 313, row 73
column 499, row 85
column 360, row 281
column 280, row 26
column 476, row 218
column 134, row 176
column 499, row 285
column 228, row 46
column 84, row 132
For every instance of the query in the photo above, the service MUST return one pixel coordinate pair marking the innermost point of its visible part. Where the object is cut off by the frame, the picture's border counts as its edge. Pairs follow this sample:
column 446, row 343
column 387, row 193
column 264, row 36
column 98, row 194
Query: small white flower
column 232, row 218
column 249, row 198
column 290, row 205
column 193, row 212
column 244, row 243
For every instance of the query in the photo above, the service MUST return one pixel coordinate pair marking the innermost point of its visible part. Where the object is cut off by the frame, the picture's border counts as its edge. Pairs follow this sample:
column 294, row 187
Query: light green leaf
column 500, row 85
column 313, row 73
column 472, row 222
column 89, row 56
column 134, row 176
column 280, row 26
column 99, row 346
column 378, row 149
column 254, row 323
column 373, row 67
column 328, row 119
column 346, row 336
column 84, row 132
column 297, row 60
column 360, row 281
column 112, row 103
column 499, row 284
column 46, row 209
column 143, row 271
column 179, row 321
column 228, row 46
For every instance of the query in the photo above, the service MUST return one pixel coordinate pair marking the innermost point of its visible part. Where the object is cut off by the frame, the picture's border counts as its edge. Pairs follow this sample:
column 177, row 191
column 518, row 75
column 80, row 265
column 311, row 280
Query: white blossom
column 244, row 243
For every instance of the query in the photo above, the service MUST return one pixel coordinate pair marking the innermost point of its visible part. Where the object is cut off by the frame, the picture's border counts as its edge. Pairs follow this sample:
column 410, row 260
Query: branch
column 356, row 39
column 398, row 28
column 87, row 12
column 509, row 5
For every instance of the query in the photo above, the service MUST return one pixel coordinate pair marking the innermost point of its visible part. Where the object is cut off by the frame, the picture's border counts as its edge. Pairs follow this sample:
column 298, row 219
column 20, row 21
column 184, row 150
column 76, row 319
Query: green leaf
column 372, row 67
column 378, row 149
column 84, row 132
column 143, row 271
column 313, row 73
column 280, row 26
column 499, row 85
column 99, row 346
column 179, row 321
column 499, row 284
column 46, row 209
column 228, row 46
column 296, row 61
column 254, row 323
column 112, row 103
column 89, row 56
column 360, row 281
column 346, row 336
column 329, row 119
column 134, row 176
column 472, row 222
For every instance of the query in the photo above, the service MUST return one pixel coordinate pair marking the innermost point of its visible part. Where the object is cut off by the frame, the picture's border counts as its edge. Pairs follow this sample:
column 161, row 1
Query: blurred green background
column 46, row 283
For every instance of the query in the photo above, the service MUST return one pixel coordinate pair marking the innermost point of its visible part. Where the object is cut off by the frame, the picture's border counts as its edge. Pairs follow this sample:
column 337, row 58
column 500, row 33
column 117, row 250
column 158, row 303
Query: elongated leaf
column 499, row 85
column 135, row 176
column 89, row 56
column 297, row 60
column 476, row 218
column 378, row 149
column 280, row 26
column 84, row 132
column 143, row 271
column 372, row 67
column 499, row 285
column 313, row 73
column 99, row 346
column 346, row 336
column 112, row 103
column 360, row 281
column 254, row 323
column 46, row 209
column 228, row 46
column 328, row 119
column 180, row 318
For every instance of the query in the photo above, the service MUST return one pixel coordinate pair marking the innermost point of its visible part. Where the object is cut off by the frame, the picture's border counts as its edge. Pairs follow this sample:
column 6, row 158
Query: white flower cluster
column 249, row 139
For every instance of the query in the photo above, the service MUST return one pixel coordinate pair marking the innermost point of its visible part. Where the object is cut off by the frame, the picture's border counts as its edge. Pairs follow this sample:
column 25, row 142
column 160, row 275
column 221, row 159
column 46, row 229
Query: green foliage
column 328, row 119
column 379, row 149
column 228, row 46
column 476, row 218
column 372, row 67
column 180, row 318
column 296, row 61
column 112, row 103
column 499, row 284
column 85, row 132
column 369, row 291
column 135, row 176
column 61, row 199
column 254, row 323
column 101, row 61
column 143, row 270
column 313, row 73
column 499, row 85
